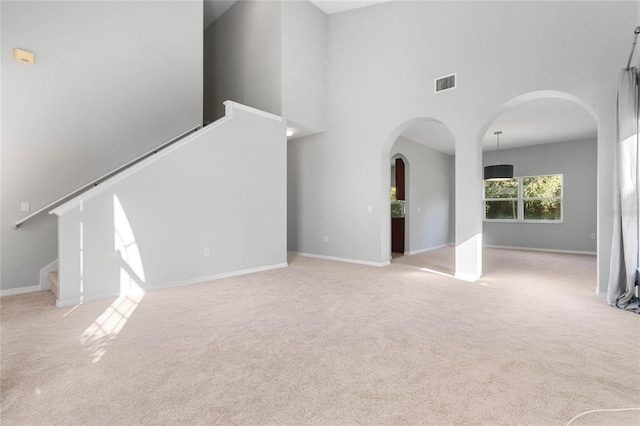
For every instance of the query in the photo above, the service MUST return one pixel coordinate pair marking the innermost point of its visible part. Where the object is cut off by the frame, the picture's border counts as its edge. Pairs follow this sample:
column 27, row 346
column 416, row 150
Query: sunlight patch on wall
column 132, row 277
column 132, row 270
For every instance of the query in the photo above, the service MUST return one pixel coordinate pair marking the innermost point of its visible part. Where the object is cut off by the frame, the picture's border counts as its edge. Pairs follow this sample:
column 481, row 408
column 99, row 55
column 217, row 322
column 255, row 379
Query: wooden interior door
column 400, row 195
column 397, row 235
column 397, row 223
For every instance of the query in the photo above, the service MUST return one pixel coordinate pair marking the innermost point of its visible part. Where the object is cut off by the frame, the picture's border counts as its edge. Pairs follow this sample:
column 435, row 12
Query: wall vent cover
column 447, row 82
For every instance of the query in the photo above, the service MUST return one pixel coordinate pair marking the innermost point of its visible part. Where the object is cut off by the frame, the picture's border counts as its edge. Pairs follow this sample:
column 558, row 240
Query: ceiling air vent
column 447, row 82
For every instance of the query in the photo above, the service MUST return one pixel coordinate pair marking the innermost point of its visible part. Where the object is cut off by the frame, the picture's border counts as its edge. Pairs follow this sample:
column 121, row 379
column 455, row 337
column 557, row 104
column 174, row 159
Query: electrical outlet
column 25, row 207
column 206, row 251
column 326, row 239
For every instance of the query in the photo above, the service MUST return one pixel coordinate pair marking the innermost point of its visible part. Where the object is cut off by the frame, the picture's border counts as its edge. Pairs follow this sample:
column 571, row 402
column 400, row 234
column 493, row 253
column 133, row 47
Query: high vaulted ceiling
column 215, row 8
column 541, row 121
column 531, row 123
column 337, row 6
column 535, row 122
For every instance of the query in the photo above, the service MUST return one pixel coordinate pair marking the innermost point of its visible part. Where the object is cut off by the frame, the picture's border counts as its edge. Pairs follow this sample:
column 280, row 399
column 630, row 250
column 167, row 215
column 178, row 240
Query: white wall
column 577, row 162
column 1, row 61
column 429, row 214
column 304, row 57
column 382, row 61
column 111, row 80
column 223, row 189
column 243, row 56
column 272, row 56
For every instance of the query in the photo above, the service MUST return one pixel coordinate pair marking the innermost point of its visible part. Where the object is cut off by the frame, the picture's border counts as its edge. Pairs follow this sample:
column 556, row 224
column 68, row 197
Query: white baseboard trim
column 45, row 284
column 341, row 259
column 19, row 290
column 590, row 253
column 70, row 302
column 216, row 277
column 412, row 252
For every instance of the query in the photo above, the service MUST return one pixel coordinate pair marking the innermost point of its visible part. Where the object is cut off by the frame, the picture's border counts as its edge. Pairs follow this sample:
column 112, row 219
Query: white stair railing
column 106, row 176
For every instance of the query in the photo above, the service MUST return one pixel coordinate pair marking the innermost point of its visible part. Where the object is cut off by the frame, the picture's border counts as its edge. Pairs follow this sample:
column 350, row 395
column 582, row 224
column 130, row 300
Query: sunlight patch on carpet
column 107, row 326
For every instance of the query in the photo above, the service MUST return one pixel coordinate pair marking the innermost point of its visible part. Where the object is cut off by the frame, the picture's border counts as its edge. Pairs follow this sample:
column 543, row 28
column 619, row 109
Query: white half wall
column 111, row 81
column 214, row 205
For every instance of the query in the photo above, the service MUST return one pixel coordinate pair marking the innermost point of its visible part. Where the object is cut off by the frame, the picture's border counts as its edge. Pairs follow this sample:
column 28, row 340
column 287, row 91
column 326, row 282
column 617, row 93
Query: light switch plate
column 24, row 207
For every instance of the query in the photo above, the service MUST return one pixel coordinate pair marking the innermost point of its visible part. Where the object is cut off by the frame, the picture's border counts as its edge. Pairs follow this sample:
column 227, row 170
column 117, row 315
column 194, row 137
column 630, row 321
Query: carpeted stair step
column 53, row 277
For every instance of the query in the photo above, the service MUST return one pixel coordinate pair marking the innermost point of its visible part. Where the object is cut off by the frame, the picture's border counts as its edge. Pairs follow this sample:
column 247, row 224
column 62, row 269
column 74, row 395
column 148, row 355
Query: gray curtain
column 624, row 254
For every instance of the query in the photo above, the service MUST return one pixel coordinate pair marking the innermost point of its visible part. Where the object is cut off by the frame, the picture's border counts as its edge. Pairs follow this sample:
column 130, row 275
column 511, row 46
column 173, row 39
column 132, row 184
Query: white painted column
column 468, row 208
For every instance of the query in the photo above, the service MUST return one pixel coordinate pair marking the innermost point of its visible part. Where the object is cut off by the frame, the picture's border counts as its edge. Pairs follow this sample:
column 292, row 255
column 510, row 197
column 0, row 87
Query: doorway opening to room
column 420, row 192
column 397, row 198
column 550, row 202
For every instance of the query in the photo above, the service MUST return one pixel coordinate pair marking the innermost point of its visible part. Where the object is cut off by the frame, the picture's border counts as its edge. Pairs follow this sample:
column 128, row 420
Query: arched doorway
column 426, row 147
column 551, row 139
column 400, row 189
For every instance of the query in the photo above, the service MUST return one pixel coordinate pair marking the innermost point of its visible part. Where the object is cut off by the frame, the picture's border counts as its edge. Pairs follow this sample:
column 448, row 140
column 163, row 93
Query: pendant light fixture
column 498, row 171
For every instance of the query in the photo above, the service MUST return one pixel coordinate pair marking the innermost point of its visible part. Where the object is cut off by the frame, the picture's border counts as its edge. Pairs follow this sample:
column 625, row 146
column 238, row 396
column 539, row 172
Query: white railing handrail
column 96, row 182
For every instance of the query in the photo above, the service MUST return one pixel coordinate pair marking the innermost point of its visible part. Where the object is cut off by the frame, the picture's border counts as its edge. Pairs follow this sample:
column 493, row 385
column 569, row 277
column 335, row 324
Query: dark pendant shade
column 498, row 172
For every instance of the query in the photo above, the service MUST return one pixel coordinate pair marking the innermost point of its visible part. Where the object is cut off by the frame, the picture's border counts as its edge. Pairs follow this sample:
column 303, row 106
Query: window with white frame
column 524, row 199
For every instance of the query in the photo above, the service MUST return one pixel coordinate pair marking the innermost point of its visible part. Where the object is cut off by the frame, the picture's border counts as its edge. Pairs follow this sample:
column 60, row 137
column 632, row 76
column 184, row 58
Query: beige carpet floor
column 324, row 342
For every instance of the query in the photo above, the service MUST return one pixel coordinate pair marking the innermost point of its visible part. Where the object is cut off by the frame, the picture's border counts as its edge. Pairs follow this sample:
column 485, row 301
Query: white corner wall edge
column 199, row 280
column 19, row 290
column 341, row 259
column 589, row 253
column 45, row 284
column 230, row 108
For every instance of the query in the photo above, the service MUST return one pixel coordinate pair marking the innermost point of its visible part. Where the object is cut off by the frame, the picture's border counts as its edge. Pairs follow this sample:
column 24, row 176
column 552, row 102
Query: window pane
column 392, row 194
column 501, row 189
column 542, row 210
column 501, row 209
column 397, row 209
column 542, row 186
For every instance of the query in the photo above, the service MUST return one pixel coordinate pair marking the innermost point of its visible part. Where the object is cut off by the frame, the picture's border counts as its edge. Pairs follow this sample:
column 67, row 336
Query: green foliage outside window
column 397, row 207
column 549, row 188
column 541, row 198
column 542, row 186
column 501, row 188
column 502, row 209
